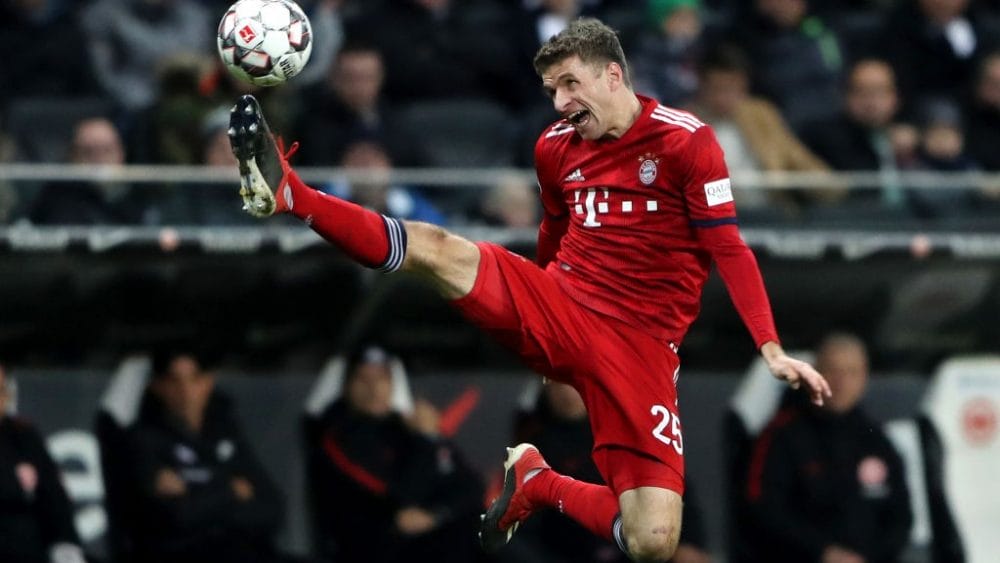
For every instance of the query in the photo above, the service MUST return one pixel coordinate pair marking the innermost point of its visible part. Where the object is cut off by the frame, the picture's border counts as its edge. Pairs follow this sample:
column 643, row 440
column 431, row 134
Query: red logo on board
column 979, row 420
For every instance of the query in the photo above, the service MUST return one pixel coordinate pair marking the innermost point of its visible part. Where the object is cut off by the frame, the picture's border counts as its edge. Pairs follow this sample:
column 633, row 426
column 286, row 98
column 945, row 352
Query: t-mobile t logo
column 589, row 204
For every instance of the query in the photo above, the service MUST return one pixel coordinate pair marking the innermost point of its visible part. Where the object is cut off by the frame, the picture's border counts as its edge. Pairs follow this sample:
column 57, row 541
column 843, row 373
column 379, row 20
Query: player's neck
column 626, row 116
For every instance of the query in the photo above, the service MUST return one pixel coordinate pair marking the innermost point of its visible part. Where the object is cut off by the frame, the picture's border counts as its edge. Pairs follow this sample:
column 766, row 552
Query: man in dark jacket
column 36, row 519
column 824, row 483
column 385, row 492
column 200, row 495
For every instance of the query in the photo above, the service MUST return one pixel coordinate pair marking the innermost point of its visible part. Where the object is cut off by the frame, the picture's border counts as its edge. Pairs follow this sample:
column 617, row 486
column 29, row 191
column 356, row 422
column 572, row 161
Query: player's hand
column 795, row 372
column 414, row 520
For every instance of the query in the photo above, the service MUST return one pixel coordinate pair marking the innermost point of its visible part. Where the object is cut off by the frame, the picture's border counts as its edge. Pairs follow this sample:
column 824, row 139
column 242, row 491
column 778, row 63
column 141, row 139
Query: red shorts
column 625, row 376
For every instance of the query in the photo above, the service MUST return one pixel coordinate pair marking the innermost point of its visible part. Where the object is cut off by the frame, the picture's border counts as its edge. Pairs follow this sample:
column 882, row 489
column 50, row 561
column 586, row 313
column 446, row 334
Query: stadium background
column 273, row 303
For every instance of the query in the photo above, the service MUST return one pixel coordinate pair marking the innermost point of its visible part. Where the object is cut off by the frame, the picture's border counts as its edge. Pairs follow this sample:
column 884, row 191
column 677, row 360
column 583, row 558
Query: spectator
column 347, row 108
column 536, row 22
column 984, row 117
column 933, row 45
column 751, row 131
column 199, row 493
column 129, row 39
column 376, row 191
column 943, row 149
column 866, row 137
column 825, row 484
column 44, row 42
column 433, row 50
column 95, row 142
column 36, row 519
column 512, row 202
column 558, row 423
column 664, row 65
column 411, row 496
column 798, row 59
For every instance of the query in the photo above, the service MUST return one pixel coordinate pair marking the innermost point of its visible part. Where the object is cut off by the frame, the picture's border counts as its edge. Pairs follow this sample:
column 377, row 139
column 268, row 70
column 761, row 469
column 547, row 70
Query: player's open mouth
column 579, row 118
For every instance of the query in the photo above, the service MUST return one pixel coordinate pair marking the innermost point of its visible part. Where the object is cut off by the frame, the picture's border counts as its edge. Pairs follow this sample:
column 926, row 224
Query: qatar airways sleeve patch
column 718, row 192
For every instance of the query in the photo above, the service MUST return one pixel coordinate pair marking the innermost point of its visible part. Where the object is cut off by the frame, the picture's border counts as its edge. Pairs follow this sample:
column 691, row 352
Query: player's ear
column 614, row 74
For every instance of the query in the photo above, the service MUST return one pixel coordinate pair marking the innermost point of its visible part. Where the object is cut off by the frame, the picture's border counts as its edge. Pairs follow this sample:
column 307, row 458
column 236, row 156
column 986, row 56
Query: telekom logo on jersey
column 586, row 203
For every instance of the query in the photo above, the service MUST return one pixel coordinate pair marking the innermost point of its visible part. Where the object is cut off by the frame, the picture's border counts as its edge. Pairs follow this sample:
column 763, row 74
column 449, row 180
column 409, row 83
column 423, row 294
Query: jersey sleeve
column 555, row 214
column 706, row 184
column 712, row 213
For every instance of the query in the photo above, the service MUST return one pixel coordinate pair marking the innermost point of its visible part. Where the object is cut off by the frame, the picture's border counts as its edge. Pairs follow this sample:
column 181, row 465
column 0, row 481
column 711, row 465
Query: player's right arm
column 555, row 214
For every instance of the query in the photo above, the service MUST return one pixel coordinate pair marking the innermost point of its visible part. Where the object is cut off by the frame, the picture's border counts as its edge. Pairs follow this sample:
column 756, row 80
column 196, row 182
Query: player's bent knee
column 652, row 545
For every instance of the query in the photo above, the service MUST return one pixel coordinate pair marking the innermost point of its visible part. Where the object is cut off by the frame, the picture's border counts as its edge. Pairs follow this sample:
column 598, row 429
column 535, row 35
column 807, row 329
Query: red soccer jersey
column 637, row 209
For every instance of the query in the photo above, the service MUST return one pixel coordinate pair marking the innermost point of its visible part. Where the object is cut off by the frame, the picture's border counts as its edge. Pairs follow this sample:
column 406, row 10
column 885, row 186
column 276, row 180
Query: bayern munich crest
column 647, row 168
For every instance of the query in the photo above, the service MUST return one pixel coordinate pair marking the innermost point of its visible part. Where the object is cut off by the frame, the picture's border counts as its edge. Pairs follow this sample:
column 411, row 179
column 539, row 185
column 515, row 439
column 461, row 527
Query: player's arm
column 555, row 214
column 712, row 215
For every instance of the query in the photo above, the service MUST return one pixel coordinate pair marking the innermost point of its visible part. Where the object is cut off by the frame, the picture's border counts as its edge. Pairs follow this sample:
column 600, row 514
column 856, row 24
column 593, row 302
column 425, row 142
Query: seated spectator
column 375, row 191
column 664, row 64
column 200, row 495
column 558, row 424
column 47, row 41
column 933, row 45
column 864, row 137
column 129, row 39
column 798, row 59
column 411, row 495
column 346, row 108
column 824, row 483
column 95, row 142
column 984, row 117
column 36, row 518
column 512, row 202
column 943, row 149
column 751, row 131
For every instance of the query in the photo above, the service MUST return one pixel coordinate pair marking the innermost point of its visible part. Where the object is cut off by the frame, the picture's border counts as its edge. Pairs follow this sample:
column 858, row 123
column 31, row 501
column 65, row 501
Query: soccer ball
column 265, row 42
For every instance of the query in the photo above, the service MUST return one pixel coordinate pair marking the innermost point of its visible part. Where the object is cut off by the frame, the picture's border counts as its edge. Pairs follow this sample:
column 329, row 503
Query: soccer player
column 637, row 206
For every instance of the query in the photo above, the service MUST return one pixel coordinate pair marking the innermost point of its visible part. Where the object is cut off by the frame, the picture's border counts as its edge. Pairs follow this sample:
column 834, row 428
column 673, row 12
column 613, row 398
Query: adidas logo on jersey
column 575, row 176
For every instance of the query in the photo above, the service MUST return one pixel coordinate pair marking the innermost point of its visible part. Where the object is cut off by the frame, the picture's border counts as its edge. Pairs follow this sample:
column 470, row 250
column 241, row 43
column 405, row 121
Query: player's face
column 582, row 94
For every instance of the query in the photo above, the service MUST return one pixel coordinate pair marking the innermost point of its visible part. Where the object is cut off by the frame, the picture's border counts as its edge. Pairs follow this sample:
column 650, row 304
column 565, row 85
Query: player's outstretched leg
column 530, row 484
column 268, row 185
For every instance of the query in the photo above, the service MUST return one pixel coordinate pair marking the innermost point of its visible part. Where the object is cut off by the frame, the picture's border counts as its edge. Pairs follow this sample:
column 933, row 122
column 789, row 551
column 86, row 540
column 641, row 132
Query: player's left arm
column 555, row 214
column 712, row 215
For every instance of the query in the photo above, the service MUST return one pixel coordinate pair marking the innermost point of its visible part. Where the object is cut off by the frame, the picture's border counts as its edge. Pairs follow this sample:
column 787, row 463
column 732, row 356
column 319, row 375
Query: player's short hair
column 587, row 38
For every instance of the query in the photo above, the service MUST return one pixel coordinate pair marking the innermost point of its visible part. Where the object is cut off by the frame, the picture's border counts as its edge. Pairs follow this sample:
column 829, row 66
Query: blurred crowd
column 884, row 86
column 386, row 479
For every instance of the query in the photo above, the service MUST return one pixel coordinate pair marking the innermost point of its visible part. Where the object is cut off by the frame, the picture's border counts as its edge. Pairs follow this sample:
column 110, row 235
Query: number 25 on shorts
column 671, row 422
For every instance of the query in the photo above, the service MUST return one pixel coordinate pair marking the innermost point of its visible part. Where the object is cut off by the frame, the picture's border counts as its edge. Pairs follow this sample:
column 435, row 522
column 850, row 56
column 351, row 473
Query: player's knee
column 653, row 544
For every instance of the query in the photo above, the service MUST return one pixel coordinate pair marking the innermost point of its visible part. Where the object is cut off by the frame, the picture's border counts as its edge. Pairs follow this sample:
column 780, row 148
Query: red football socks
column 369, row 238
column 593, row 506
